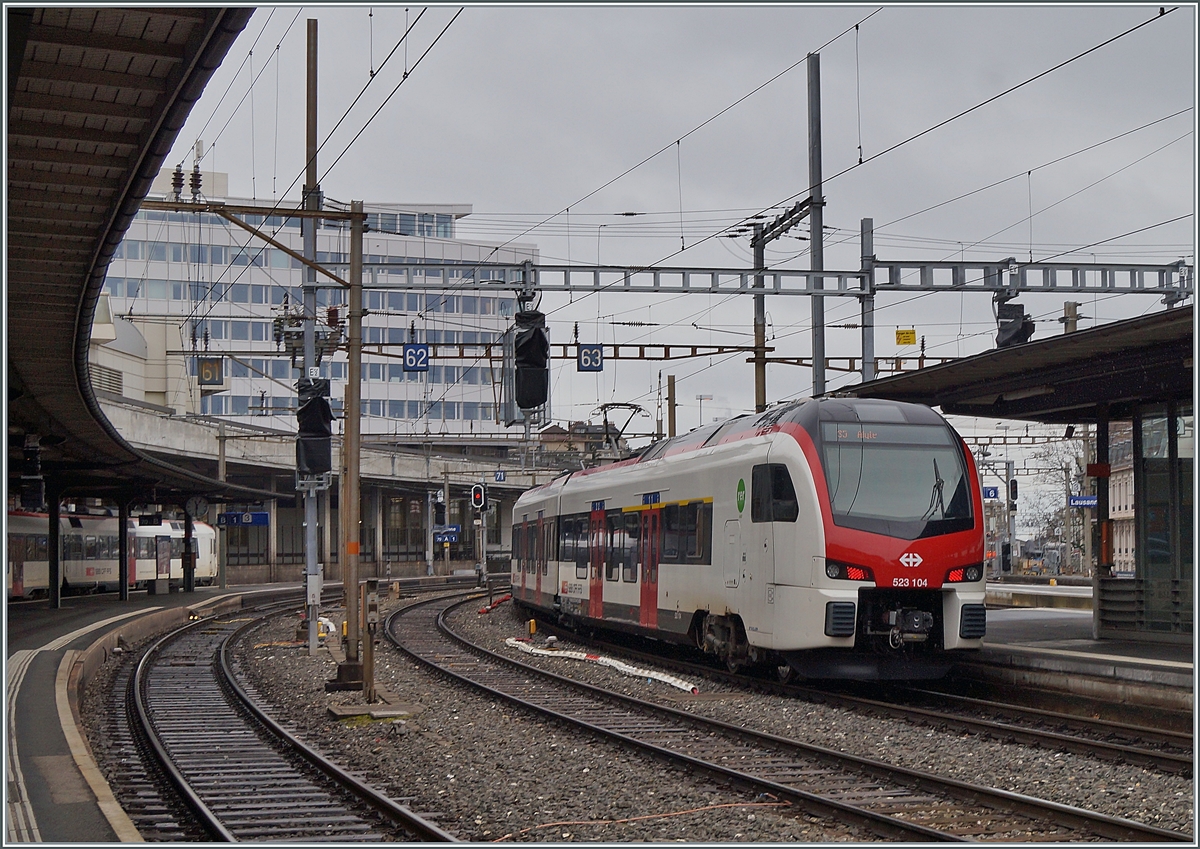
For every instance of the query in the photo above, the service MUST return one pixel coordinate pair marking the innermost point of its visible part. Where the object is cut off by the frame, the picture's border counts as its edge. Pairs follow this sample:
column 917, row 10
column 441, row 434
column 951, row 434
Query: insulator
column 331, row 316
column 177, row 181
column 194, row 182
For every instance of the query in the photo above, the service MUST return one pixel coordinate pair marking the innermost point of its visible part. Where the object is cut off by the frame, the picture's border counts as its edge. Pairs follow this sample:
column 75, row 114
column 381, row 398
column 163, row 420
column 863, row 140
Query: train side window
column 772, row 496
column 89, row 547
column 566, row 538
column 690, row 516
column 615, row 532
column 704, row 520
column 629, row 571
column 582, row 552
column 516, row 545
column 670, row 532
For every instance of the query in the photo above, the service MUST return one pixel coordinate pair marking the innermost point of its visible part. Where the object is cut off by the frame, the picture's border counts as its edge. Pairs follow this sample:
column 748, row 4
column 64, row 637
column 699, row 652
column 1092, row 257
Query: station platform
column 1040, row 635
column 56, row 794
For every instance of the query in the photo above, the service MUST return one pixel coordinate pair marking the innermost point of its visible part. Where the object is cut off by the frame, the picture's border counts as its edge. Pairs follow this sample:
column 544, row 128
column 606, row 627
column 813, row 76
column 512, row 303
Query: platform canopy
column 96, row 97
column 1067, row 378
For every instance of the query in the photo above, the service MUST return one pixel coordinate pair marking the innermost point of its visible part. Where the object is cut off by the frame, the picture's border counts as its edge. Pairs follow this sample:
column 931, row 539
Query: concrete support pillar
column 273, row 533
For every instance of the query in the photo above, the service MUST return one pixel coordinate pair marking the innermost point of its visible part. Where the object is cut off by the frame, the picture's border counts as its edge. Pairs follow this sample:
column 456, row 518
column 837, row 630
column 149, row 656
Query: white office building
column 197, row 286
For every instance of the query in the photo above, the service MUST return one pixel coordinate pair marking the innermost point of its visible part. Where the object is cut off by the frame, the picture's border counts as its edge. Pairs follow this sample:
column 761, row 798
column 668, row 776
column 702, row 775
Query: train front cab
column 885, row 580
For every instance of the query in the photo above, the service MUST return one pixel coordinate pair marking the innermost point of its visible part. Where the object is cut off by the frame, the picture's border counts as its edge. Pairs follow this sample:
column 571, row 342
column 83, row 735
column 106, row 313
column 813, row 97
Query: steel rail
column 890, row 790
column 425, row 829
column 1172, row 762
column 240, row 786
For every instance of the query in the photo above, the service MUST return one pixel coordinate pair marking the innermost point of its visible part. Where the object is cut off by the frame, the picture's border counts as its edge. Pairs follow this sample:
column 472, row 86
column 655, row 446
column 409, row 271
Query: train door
column 734, row 557
column 597, row 530
column 524, row 552
column 131, row 554
column 539, row 560
column 16, row 565
column 649, row 543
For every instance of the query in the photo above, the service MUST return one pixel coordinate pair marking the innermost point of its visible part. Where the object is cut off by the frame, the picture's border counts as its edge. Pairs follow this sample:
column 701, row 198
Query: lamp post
column 702, row 399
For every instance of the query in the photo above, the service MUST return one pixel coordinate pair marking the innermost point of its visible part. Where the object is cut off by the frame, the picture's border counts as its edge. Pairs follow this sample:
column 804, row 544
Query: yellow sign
column 906, row 337
column 208, row 369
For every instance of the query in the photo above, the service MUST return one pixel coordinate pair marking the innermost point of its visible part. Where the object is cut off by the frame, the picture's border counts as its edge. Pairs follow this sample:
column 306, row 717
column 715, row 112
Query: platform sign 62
column 416, row 357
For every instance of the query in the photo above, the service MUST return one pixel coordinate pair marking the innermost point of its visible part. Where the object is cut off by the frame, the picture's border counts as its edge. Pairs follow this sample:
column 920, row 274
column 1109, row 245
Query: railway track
column 893, row 802
column 243, row 776
column 1121, row 742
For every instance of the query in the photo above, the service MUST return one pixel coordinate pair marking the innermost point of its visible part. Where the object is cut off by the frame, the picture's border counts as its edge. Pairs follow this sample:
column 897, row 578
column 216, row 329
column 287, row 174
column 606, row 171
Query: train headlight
column 964, row 574
column 846, row 572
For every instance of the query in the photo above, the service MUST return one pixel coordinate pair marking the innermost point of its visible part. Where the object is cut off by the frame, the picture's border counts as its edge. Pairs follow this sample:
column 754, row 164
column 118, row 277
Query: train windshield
column 902, row 480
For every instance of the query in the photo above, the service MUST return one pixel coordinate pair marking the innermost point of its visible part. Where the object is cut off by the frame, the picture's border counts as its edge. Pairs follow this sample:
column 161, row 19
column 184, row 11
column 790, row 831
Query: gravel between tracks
column 1146, row 796
column 491, row 772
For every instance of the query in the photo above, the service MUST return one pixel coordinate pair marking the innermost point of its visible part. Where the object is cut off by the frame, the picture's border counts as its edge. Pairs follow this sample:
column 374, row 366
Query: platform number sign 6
column 590, row 358
column 416, row 358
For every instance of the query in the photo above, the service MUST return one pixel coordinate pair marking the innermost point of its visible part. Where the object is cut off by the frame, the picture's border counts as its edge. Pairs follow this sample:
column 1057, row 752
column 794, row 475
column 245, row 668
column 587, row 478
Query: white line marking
column 122, row 826
column 22, row 825
column 1170, row 664
column 66, row 639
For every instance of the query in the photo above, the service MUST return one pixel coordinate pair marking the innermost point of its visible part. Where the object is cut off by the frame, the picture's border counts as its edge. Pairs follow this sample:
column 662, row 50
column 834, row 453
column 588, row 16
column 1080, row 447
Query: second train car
column 88, row 553
column 830, row 538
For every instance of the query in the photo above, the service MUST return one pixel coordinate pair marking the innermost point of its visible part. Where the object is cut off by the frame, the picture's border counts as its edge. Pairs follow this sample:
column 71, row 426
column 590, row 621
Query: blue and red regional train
column 831, row 538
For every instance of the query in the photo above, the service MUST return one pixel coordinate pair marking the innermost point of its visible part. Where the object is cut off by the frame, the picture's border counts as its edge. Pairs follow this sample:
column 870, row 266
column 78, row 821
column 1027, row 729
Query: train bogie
column 837, row 538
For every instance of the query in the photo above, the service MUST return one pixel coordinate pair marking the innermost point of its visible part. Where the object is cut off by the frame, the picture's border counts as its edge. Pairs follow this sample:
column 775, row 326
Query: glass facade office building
column 219, row 291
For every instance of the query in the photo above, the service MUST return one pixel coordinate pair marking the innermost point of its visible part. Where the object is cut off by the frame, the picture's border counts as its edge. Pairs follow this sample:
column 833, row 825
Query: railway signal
column 314, row 419
column 479, row 497
column 531, row 360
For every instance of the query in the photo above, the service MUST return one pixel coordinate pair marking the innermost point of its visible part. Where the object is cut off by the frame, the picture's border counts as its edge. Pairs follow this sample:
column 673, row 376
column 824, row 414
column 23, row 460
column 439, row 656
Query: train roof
column 806, row 412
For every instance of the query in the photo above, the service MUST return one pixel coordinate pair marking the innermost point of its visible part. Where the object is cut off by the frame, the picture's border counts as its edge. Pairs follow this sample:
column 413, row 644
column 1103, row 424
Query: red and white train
column 89, row 552
column 833, row 538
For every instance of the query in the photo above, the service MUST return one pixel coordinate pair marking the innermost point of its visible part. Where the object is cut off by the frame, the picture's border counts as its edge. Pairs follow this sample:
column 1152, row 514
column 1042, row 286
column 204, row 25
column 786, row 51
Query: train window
column 705, row 534
column 670, row 532
column 72, row 546
column 548, row 553
column 687, row 533
column 629, row 560
column 904, row 480
column 566, row 539
column 37, row 548
column 582, row 549
column 89, row 547
column 615, row 533
column 772, row 496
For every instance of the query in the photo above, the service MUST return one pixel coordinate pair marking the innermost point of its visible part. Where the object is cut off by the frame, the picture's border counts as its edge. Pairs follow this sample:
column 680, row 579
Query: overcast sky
column 528, row 112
